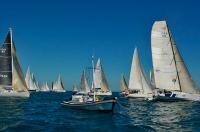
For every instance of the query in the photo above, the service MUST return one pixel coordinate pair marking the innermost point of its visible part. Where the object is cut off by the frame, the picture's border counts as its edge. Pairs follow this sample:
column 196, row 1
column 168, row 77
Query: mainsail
column 30, row 80
column 138, row 80
column 58, row 85
column 123, row 84
column 99, row 78
column 170, row 71
column 45, row 87
column 11, row 76
column 84, row 87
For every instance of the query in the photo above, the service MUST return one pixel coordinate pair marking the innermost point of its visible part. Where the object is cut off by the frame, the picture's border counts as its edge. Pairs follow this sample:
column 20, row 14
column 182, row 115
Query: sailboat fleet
column 169, row 77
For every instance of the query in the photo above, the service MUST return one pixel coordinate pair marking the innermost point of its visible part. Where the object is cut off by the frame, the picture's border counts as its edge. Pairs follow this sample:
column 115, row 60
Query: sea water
column 43, row 112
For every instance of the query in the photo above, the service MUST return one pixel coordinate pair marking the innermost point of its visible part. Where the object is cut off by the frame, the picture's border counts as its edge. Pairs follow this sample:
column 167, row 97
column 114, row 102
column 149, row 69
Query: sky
column 60, row 36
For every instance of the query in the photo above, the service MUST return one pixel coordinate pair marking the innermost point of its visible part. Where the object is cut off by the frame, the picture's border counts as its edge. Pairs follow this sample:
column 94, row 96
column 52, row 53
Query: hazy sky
column 60, row 36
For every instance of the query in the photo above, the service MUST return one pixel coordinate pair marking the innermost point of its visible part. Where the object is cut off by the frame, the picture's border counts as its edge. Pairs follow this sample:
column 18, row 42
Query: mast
column 93, row 76
column 170, row 37
column 11, row 40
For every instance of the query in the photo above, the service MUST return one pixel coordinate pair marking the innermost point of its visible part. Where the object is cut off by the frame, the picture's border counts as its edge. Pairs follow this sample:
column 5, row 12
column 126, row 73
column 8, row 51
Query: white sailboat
column 45, row 87
column 139, row 87
column 12, row 81
column 84, row 87
column 31, row 81
column 58, row 85
column 86, row 102
column 123, row 85
column 100, row 85
column 172, row 78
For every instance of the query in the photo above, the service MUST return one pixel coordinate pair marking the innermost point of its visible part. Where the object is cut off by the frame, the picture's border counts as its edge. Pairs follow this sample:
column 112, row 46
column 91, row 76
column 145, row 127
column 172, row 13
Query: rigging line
column 170, row 37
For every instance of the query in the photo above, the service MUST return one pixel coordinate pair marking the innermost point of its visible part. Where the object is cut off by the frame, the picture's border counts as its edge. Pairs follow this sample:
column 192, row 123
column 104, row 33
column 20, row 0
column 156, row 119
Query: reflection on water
column 174, row 116
column 11, row 112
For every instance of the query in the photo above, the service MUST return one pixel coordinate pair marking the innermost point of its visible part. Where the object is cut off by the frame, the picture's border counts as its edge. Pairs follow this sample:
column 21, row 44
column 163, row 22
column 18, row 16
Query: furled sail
column 138, row 79
column 11, row 75
column 164, row 49
column 165, row 72
column 99, row 78
column 123, row 84
column 84, row 83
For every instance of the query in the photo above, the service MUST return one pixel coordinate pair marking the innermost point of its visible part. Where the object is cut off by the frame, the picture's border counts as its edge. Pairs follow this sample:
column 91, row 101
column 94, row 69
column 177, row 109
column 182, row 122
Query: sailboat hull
column 11, row 93
column 101, row 93
column 59, row 91
column 107, row 105
column 175, row 95
column 139, row 95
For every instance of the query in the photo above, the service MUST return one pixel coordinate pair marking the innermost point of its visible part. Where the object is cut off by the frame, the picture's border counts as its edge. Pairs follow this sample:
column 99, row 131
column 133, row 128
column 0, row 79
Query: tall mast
column 93, row 76
column 170, row 37
column 11, row 39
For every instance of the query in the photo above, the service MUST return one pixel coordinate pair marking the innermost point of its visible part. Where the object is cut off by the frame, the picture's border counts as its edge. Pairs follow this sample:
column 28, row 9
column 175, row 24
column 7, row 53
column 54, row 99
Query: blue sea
column 43, row 112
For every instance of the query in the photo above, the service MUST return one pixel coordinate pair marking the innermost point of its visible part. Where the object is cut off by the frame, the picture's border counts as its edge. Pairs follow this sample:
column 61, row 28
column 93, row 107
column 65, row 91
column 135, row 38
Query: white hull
column 140, row 95
column 12, row 93
column 175, row 95
column 107, row 105
column 59, row 91
column 101, row 93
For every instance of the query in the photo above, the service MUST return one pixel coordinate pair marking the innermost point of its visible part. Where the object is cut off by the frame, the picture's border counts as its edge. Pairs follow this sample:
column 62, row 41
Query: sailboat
column 45, row 87
column 84, row 87
column 88, row 102
column 100, row 85
column 172, row 78
column 58, row 85
column 31, row 81
column 139, row 87
column 123, row 85
column 12, row 82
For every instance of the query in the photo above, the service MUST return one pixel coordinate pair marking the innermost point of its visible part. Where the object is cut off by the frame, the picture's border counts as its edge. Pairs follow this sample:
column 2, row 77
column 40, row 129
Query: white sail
column 164, row 66
column 186, row 83
column 138, row 80
column 99, row 78
column 31, row 81
column 58, row 85
column 84, row 87
column 28, row 77
column 45, row 87
column 164, row 49
column 123, row 84
column 152, row 79
column 97, row 75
